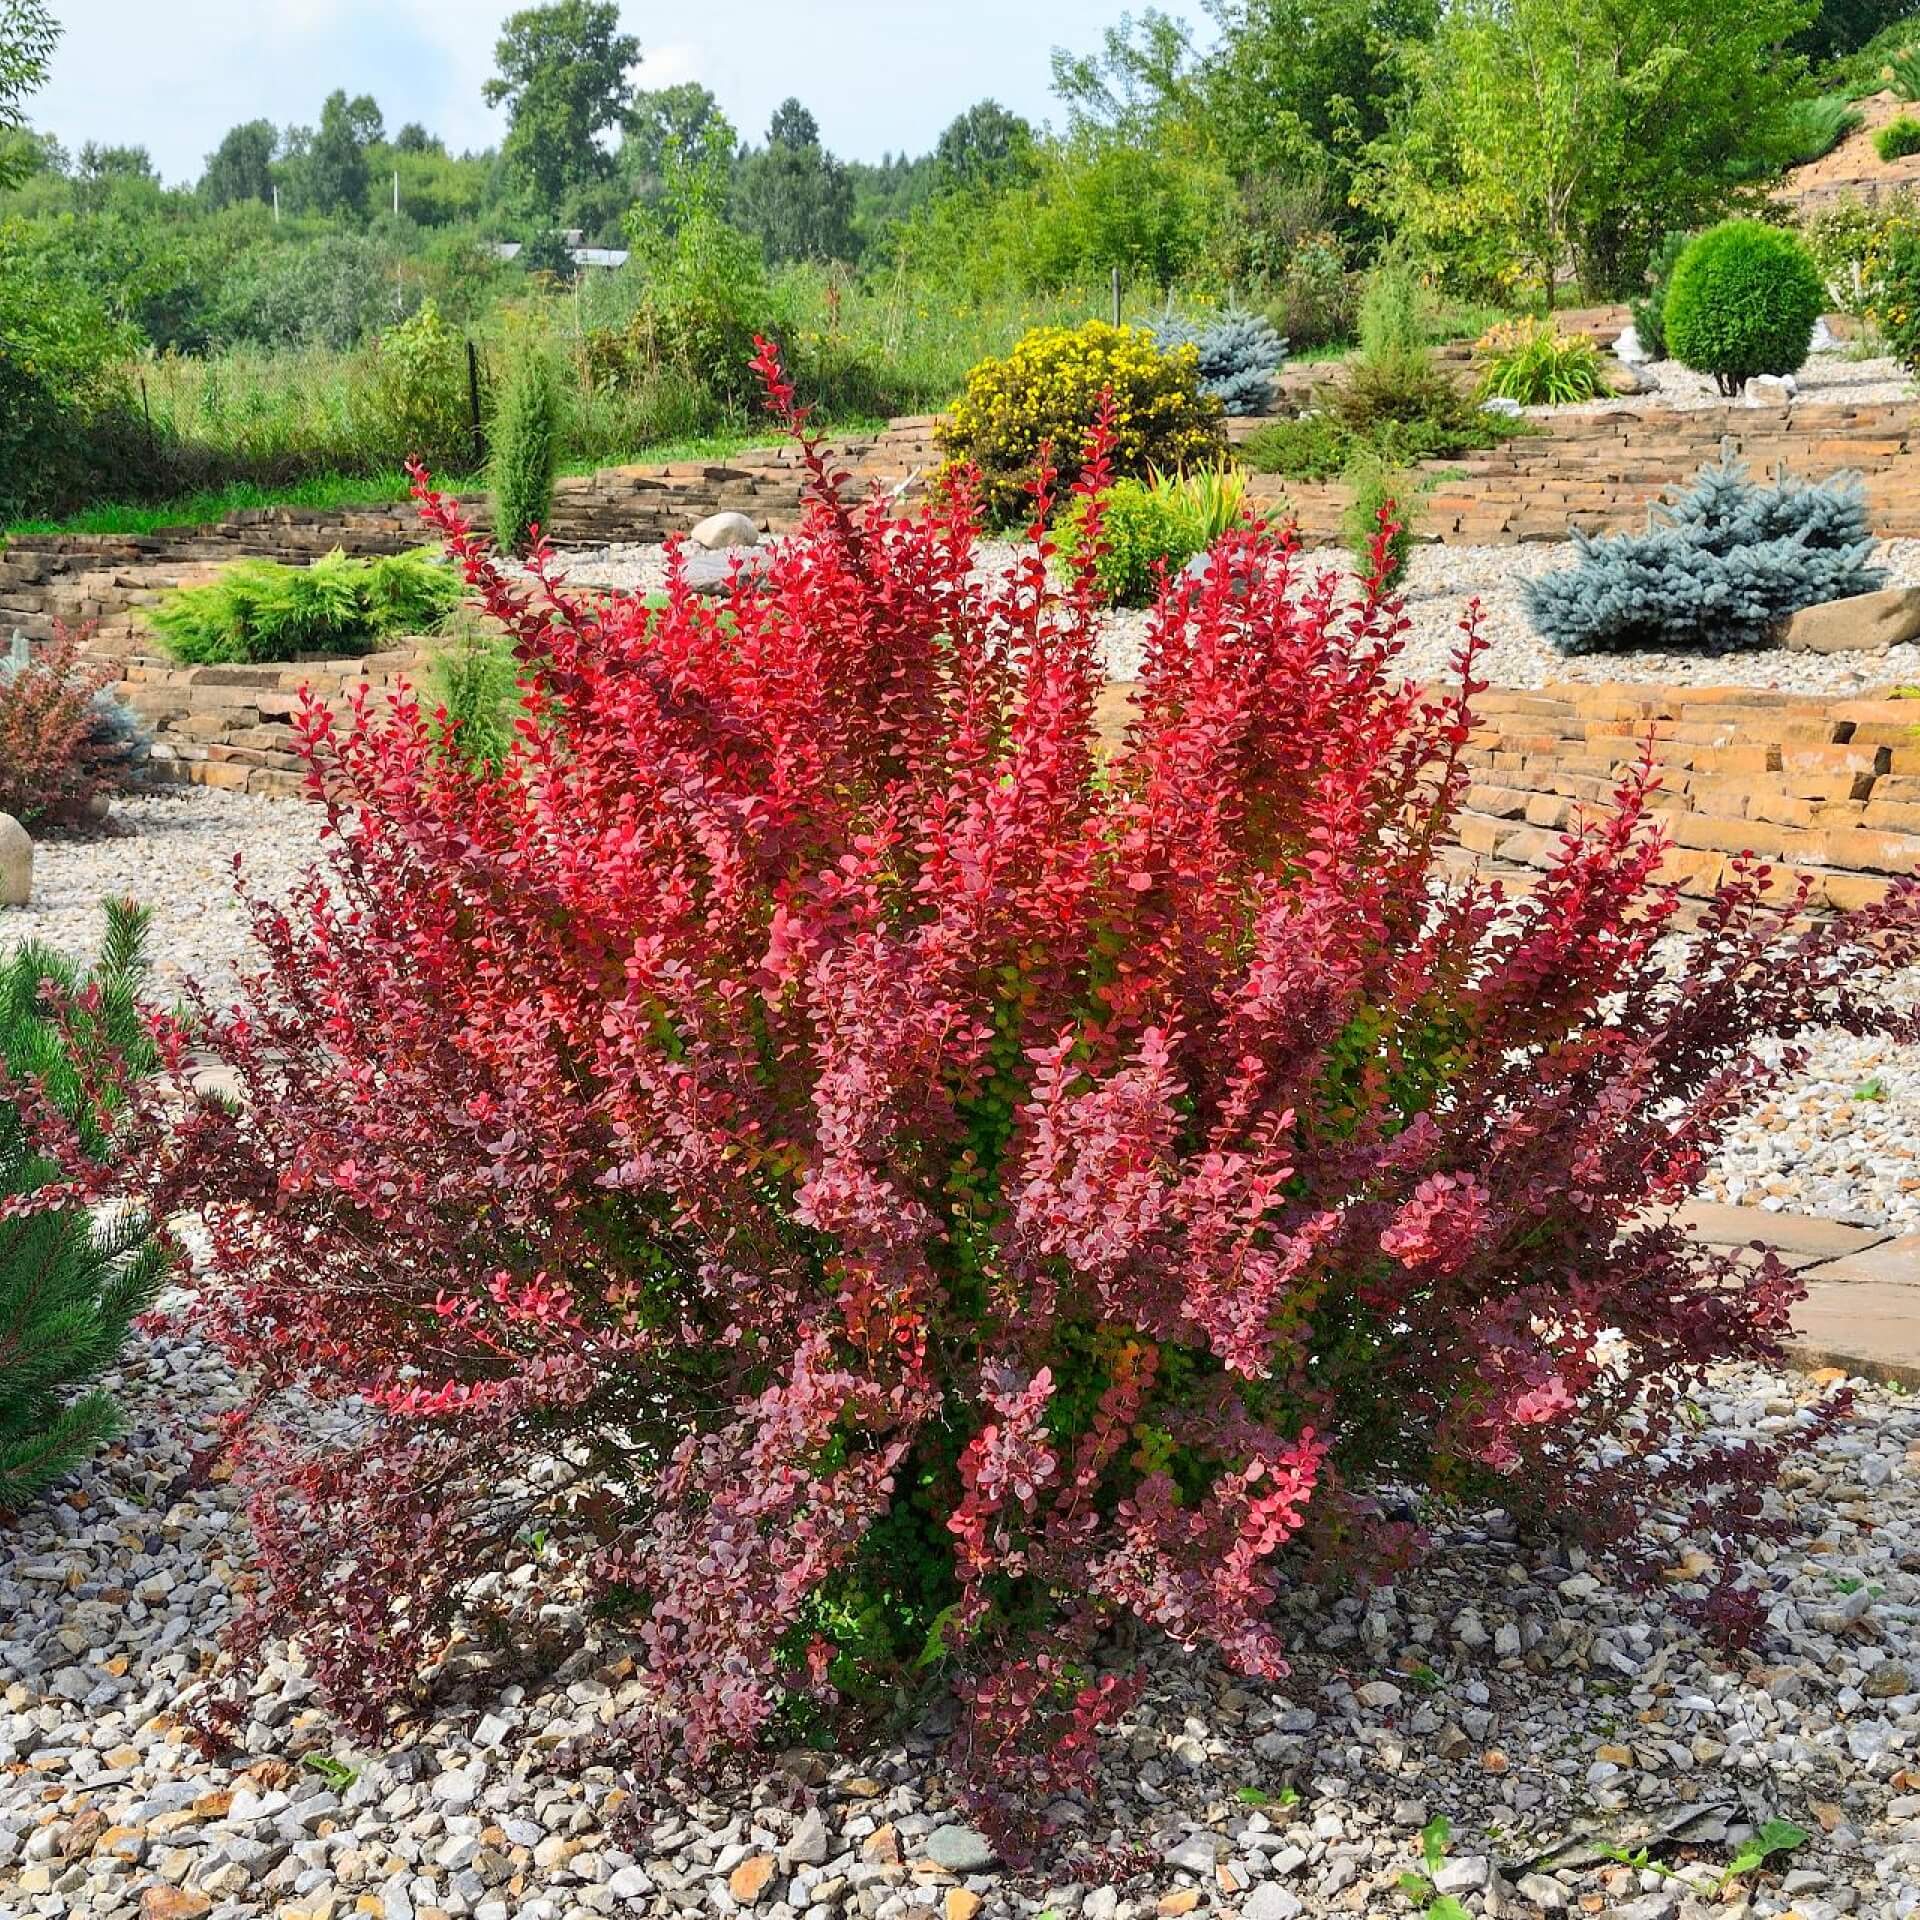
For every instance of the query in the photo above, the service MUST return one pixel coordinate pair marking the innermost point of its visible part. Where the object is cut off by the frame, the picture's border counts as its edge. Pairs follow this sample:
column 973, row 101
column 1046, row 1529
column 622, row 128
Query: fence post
column 1116, row 296
column 473, row 407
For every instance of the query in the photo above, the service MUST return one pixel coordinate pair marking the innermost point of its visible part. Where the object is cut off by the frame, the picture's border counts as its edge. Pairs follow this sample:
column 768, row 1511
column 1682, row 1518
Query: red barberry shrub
column 815, row 1156
column 58, row 750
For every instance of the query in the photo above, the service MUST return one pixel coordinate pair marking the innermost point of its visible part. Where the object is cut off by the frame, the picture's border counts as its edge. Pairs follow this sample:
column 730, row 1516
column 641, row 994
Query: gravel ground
column 1547, row 1714
column 1440, row 584
column 1830, row 378
column 1443, row 581
column 173, row 851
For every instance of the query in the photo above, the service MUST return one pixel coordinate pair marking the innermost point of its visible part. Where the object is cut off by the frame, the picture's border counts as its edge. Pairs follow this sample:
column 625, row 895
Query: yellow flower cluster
column 1048, row 390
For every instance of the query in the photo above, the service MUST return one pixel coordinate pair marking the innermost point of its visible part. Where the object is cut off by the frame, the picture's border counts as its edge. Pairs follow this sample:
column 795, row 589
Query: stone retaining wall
column 232, row 726
column 97, row 579
column 1826, row 788
column 1600, row 472
column 1592, row 471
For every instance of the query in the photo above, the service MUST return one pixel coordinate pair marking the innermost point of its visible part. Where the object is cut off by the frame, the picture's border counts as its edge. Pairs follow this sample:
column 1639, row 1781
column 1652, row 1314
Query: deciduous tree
column 241, row 167
column 563, row 81
column 28, row 36
column 1538, row 135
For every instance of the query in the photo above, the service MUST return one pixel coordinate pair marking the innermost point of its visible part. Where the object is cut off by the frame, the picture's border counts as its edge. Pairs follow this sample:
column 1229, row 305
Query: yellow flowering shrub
column 1890, row 274
column 1048, row 390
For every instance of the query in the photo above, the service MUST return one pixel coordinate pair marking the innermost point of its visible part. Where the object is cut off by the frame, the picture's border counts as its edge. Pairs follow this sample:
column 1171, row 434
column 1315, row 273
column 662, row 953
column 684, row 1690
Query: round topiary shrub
column 1047, row 391
column 1743, row 301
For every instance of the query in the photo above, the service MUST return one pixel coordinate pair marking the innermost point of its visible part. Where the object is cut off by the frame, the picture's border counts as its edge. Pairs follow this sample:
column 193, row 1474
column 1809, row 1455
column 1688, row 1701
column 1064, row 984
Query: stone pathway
column 1862, row 1310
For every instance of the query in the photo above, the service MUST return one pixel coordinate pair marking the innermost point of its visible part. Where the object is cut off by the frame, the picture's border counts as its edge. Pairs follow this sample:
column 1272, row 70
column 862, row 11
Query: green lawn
column 372, row 489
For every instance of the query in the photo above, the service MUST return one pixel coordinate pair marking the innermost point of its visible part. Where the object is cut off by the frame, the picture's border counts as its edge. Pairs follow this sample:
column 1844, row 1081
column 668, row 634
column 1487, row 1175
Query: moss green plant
column 264, row 610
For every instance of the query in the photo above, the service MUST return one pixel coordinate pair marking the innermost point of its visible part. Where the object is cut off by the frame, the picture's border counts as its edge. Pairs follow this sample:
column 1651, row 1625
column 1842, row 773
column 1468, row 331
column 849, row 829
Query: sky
column 880, row 75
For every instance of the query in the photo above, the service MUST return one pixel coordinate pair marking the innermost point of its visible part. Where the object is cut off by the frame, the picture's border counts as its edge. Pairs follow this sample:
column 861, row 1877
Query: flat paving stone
column 1868, row 1327
column 1720, row 1225
column 1862, row 1312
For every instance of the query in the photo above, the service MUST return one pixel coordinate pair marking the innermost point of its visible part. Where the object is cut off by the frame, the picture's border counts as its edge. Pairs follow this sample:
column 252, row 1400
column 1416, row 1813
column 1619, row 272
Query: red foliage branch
column 54, row 758
column 827, row 1145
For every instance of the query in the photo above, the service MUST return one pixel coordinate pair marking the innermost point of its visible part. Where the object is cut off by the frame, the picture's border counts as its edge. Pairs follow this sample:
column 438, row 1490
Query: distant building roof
column 579, row 255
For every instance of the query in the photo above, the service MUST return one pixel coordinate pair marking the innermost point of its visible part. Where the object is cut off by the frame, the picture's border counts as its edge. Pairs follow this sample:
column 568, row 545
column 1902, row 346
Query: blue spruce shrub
column 1719, row 569
column 1239, row 355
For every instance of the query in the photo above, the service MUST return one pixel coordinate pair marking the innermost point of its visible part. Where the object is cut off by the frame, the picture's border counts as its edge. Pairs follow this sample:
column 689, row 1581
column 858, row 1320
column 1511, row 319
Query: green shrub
column 70, row 1285
column 1718, row 569
column 418, row 388
column 1898, row 138
column 1312, row 446
column 525, row 451
column 1313, row 303
column 1818, row 125
column 1650, row 312
column 1150, row 525
column 1533, row 362
column 1743, row 301
column 1047, row 391
column 64, row 393
column 1393, row 389
column 1321, row 445
column 1903, row 71
column 476, row 684
column 697, row 287
column 1377, row 488
column 1890, row 279
column 334, row 291
column 262, row 610
column 1850, row 242
column 1392, row 311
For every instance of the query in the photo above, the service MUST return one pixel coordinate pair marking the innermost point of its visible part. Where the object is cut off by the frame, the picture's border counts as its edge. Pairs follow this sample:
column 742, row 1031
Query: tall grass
column 250, row 427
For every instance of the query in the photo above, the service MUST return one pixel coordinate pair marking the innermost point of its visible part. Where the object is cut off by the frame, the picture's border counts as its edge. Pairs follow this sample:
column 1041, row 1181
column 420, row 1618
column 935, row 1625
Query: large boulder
column 719, row 531
column 16, row 863
column 1861, row 623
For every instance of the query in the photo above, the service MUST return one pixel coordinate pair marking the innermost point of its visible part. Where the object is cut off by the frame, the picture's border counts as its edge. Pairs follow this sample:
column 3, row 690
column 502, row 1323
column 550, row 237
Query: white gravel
column 174, row 852
column 1552, row 1718
column 1441, row 582
column 1826, row 378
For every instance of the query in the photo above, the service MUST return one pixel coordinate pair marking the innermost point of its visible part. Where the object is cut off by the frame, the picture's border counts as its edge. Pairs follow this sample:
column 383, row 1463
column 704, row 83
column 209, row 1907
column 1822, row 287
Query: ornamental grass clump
column 818, row 1159
column 1533, row 362
column 1147, row 532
